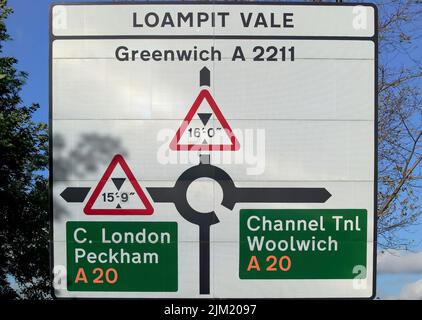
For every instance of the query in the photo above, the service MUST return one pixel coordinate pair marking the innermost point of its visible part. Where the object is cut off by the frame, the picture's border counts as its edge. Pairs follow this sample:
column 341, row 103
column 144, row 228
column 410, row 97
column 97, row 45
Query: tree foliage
column 24, row 261
column 399, row 121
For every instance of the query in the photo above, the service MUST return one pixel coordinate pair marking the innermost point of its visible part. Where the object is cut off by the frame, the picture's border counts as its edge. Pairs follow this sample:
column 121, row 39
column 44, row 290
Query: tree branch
column 406, row 174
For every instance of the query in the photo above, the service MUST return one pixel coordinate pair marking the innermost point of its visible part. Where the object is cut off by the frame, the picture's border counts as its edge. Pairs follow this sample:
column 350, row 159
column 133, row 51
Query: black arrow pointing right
column 275, row 195
column 75, row 194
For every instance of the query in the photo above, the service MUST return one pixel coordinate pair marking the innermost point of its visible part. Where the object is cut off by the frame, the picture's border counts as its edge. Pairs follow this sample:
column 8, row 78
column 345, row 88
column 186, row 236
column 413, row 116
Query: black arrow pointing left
column 75, row 194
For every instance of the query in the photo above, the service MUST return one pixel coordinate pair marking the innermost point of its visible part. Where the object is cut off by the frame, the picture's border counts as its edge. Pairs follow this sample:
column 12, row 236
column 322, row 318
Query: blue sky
column 28, row 27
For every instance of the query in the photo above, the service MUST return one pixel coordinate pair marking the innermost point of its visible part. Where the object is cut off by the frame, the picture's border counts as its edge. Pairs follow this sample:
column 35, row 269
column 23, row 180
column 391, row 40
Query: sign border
column 374, row 39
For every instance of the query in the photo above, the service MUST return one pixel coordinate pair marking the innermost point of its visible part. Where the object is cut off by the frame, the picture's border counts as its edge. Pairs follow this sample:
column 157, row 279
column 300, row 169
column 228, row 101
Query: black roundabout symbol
column 231, row 196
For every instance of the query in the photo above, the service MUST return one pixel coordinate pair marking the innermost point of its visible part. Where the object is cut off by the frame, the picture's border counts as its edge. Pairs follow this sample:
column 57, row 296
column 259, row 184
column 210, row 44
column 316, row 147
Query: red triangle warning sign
column 204, row 128
column 118, row 193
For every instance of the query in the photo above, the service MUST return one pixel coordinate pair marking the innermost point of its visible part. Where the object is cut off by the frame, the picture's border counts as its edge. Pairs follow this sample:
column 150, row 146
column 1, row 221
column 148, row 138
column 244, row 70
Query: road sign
column 213, row 150
column 126, row 196
column 209, row 137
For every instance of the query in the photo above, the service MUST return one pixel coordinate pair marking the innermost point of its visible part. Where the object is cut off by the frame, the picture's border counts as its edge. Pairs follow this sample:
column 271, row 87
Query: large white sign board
column 213, row 150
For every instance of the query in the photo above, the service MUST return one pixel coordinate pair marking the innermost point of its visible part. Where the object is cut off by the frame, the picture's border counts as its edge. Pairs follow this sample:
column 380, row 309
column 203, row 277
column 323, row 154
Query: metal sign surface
column 213, row 150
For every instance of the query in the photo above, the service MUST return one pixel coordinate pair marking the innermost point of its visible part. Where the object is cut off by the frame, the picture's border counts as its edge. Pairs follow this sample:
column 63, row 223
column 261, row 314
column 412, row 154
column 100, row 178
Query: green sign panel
column 121, row 256
column 303, row 244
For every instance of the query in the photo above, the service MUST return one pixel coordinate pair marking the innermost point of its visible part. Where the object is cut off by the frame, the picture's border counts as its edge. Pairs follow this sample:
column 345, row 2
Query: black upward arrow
column 74, row 194
column 205, row 77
